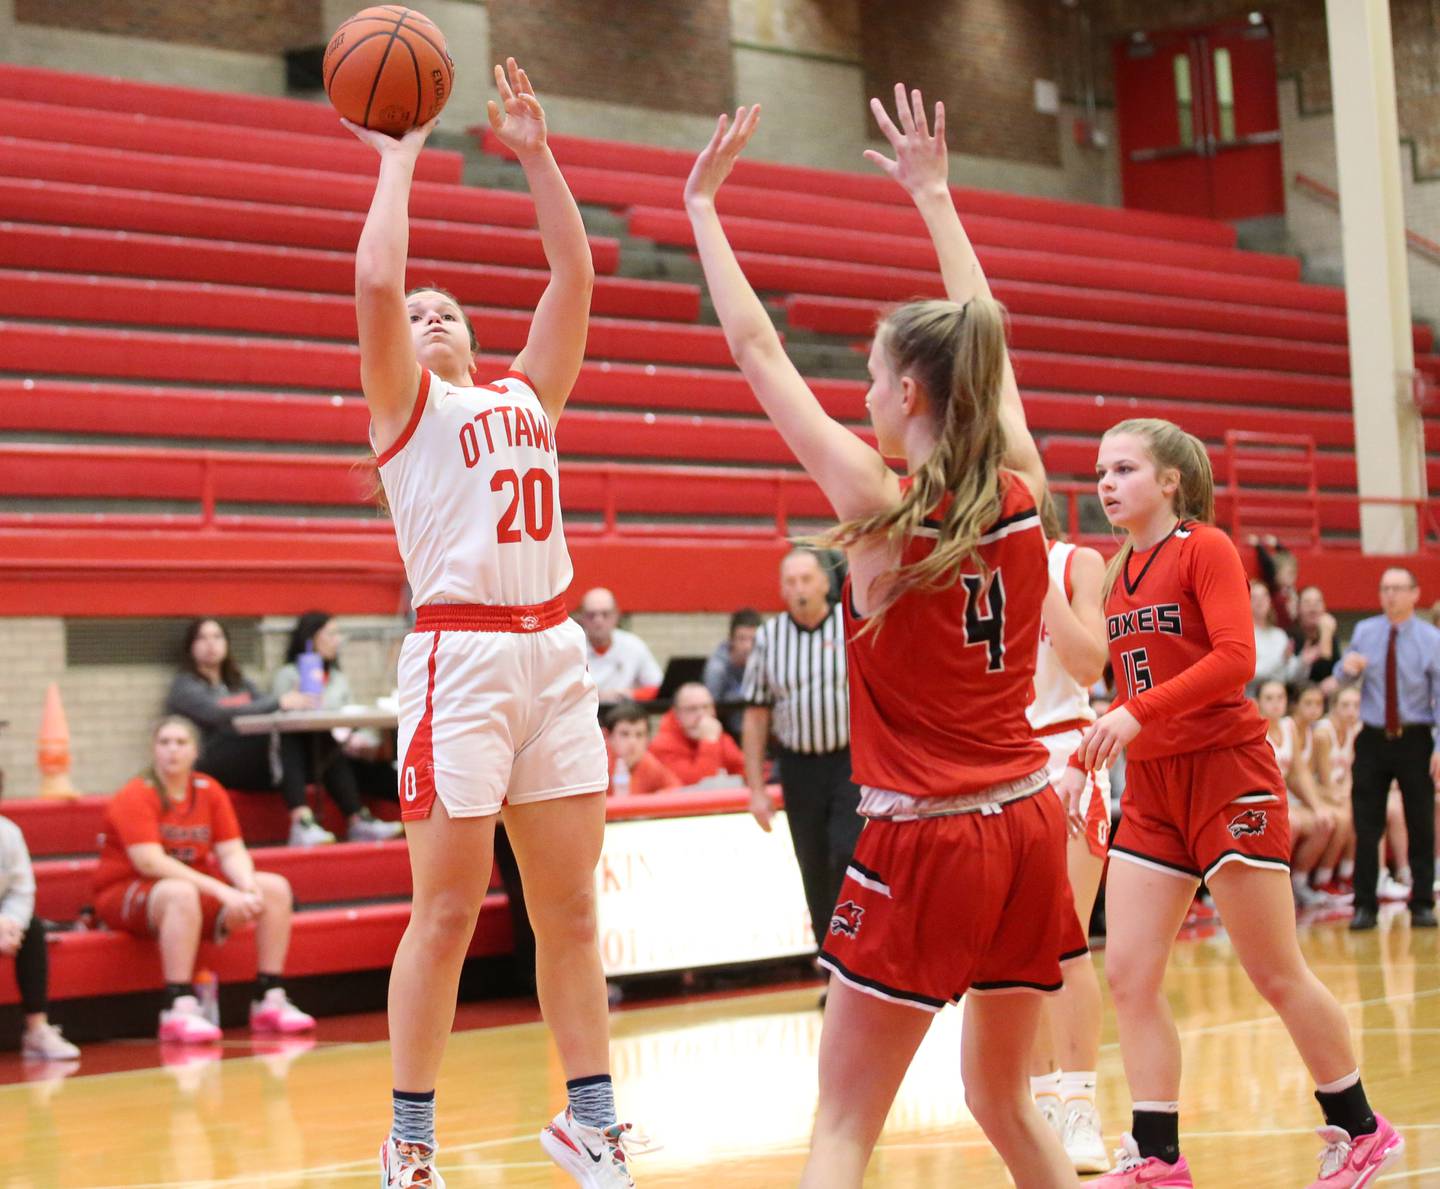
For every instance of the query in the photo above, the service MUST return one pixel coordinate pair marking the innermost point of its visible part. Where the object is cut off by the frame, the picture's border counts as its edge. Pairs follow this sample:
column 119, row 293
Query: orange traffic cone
column 53, row 753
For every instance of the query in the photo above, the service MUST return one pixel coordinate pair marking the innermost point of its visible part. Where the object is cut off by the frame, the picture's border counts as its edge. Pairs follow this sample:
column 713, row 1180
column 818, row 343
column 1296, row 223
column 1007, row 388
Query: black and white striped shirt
column 801, row 674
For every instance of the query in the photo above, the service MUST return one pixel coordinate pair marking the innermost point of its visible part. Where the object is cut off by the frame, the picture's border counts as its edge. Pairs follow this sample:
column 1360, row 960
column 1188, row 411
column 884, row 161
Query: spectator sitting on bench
column 173, row 866
column 620, row 662
column 691, row 742
column 347, row 771
column 22, row 937
column 211, row 691
column 725, row 670
column 632, row 768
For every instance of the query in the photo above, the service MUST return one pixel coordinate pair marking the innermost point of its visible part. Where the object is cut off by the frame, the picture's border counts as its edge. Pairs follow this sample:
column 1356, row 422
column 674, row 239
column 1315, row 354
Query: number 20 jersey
column 938, row 693
column 474, row 492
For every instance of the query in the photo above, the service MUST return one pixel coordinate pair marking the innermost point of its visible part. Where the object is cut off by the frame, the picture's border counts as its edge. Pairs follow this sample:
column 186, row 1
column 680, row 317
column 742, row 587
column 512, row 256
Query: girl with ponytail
column 1204, row 799
column 958, row 883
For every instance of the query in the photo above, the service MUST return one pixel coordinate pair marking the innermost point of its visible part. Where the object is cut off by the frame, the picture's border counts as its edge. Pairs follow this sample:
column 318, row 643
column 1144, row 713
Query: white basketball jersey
column 1058, row 696
column 474, row 491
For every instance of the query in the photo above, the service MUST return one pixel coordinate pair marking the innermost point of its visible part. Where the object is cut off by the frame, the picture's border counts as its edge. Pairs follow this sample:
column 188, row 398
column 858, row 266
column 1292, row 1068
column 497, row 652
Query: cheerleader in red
column 1204, row 799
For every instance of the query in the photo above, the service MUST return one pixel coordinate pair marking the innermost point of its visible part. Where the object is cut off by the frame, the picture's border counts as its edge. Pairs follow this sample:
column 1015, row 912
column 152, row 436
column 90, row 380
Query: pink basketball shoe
column 1350, row 1163
column 183, row 1023
column 275, row 1013
column 1132, row 1169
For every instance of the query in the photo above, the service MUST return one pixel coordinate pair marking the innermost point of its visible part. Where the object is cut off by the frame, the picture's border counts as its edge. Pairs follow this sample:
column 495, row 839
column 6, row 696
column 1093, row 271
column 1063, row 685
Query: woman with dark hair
column 346, row 770
column 211, row 692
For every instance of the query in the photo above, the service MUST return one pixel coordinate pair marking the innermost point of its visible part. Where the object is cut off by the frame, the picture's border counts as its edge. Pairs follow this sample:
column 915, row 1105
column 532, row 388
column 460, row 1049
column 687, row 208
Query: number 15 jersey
column 474, row 491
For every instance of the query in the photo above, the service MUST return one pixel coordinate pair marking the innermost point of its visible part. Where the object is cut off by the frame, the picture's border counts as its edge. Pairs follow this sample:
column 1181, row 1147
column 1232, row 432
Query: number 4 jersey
column 938, row 693
column 474, row 492
column 1182, row 643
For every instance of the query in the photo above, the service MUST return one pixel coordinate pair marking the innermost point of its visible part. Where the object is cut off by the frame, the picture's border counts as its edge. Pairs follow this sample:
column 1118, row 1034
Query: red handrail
column 1417, row 242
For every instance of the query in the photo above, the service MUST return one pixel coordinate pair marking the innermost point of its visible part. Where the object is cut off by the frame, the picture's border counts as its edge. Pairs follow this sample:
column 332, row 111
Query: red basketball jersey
column 1182, row 643
column 938, row 693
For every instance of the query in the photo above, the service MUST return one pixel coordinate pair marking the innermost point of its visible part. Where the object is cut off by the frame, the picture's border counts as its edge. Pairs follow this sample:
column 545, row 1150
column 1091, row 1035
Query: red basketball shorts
column 1188, row 815
column 125, row 907
column 935, row 907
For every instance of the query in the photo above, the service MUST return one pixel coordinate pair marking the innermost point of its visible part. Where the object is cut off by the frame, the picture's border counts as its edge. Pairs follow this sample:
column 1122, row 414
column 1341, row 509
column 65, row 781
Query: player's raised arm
column 389, row 374
column 853, row 476
column 921, row 168
column 555, row 347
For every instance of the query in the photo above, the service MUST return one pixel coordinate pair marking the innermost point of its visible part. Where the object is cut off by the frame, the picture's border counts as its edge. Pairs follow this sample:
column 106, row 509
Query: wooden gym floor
column 725, row 1083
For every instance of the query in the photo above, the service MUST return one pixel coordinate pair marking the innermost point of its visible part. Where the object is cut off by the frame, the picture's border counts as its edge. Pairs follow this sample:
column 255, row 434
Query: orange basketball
column 387, row 69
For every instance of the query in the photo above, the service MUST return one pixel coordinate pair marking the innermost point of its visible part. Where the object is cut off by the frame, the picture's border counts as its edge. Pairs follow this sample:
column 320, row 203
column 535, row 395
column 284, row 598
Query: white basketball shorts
column 496, row 707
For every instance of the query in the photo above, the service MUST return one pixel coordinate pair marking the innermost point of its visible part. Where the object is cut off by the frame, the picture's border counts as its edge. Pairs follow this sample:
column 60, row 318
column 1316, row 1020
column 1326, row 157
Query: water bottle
column 312, row 671
column 620, row 781
column 207, row 993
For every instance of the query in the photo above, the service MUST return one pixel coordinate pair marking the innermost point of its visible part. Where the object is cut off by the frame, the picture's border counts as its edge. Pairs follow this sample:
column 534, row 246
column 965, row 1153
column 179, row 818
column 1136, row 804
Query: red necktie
column 1392, row 697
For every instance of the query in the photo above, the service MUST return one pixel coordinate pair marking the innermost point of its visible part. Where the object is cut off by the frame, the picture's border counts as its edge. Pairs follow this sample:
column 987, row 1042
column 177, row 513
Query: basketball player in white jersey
column 1072, row 657
column 497, row 711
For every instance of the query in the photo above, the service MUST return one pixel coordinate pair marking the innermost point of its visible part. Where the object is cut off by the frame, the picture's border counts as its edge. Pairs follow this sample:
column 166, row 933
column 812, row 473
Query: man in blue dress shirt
column 1396, row 659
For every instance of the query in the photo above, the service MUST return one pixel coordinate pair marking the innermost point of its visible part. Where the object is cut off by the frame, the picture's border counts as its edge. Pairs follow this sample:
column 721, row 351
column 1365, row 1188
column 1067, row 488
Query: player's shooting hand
column 718, row 158
column 920, row 160
column 404, row 148
column 761, row 808
column 1105, row 739
column 518, row 119
column 1071, row 787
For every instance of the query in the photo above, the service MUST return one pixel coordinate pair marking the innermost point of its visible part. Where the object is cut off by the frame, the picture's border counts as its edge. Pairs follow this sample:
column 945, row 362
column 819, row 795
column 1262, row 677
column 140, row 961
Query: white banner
column 686, row 892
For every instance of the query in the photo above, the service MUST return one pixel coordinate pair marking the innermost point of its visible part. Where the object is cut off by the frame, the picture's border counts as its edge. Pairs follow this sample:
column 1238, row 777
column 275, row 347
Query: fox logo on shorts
column 1250, row 821
column 847, row 918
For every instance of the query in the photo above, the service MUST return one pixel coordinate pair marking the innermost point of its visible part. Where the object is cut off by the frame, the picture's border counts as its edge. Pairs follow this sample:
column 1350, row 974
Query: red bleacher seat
column 194, row 140
column 575, row 151
column 75, row 297
column 253, row 182
column 899, row 238
column 168, row 257
column 37, row 84
column 31, row 201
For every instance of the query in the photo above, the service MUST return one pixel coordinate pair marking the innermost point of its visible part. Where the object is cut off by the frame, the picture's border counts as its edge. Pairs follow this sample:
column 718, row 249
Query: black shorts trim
column 1142, row 857
column 867, row 872
column 1073, row 954
column 1239, row 856
column 875, row 985
column 1017, row 985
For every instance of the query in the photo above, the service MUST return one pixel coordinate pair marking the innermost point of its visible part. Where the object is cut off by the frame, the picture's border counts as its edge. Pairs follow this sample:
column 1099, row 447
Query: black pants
column 1378, row 761
column 822, row 807
column 32, row 969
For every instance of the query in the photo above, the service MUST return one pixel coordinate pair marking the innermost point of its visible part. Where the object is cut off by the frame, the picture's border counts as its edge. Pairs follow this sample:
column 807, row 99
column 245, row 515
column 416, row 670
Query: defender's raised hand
column 920, row 158
column 518, row 119
column 718, row 157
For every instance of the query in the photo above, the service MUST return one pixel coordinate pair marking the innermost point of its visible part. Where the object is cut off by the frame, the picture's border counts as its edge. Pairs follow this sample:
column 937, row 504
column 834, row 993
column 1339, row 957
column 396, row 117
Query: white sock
column 1347, row 868
column 1046, row 1085
column 1323, row 875
column 1300, row 880
column 1078, row 1084
column 1403, row 876
column 1340, row 1084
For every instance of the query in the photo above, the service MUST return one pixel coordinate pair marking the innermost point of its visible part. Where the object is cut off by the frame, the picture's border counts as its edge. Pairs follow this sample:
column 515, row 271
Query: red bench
column 168, row 257
column 797, row 274
column 895, row 236
column 199, row 143
column 75, row 297
column 97, row 92
column 250, row 182
column 152, row 355
column 29, row 201
column 869, row 187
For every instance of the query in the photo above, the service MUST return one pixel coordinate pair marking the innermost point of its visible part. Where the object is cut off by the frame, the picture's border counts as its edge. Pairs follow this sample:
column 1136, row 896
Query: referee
column 795, row 684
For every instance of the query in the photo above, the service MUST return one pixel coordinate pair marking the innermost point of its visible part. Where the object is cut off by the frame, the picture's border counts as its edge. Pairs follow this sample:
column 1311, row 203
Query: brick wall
column 255, row 26
column 982, row 57
column 671, row 55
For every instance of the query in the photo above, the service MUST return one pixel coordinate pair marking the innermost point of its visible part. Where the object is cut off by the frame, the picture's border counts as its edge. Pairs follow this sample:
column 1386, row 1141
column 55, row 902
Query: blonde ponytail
column 1171, row 449
column 957, row 355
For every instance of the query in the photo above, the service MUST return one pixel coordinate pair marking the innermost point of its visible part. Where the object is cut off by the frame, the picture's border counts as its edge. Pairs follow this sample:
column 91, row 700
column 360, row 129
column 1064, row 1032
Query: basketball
column 387, row 69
